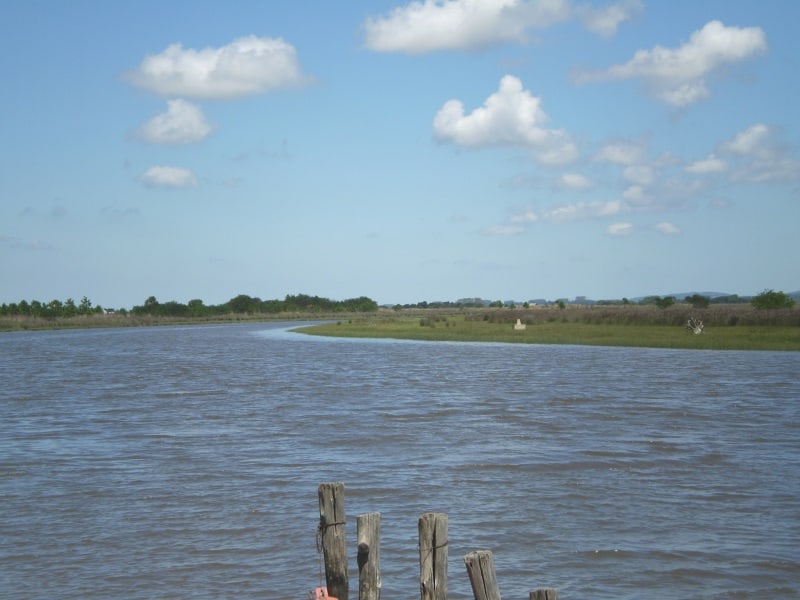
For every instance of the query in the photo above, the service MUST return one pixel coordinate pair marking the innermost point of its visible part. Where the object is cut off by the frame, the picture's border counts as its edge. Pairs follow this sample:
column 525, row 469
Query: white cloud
column 528, row 216
column 248, row 65
column 574, row 181
column 620, row 153
column 635, row 194
column 510, row 117
column 712, row 164
column 183, row 123
column 769, row 161
column 751, row 141
column 620, row 229
column 583, row 210
column 433, row 25
column 169, row 177
column 639, row 174
column 678, row 76
column 667, row 228
column 606, row 20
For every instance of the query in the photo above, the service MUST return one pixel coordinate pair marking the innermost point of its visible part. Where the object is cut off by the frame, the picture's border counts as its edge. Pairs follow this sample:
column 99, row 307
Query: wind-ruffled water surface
column 183, row 462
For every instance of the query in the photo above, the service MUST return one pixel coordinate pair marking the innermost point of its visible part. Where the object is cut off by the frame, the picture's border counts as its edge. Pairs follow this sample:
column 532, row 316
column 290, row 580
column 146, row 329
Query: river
column 183, row 462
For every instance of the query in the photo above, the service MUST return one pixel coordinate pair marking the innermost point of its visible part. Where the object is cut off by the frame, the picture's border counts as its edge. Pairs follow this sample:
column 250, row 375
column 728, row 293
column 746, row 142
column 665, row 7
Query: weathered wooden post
column 433, row 556
column 480, row 568
column 331, row 538
column 369, row 556
column 544, row 594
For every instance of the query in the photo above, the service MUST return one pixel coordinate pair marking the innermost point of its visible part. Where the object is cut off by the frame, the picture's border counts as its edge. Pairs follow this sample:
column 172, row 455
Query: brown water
column 184, row 463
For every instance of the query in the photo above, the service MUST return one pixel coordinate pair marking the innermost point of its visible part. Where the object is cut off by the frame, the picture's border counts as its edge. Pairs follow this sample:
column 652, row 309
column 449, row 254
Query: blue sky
column 435, row 150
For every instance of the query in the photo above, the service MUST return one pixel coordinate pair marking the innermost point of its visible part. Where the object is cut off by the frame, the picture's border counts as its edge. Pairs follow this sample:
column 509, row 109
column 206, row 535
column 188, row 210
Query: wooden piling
column 433, row 556
column 544, row 594
column 480, row 568
column 331, row 538
column 369, row 556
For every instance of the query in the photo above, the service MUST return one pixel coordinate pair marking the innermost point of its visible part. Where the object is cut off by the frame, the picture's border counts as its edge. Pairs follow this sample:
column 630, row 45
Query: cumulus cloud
column 634, row 194
column 169, row 177
column 706, row 166
column 606, row 20
column 512, row 116
column 667, row 228
column 574, row 181
column 678, row 76
column 248, row 65
column 620, row 229
column 761, row 158
column 752, row 141
column 183, row 123
column 639, row 174
column 432, row 25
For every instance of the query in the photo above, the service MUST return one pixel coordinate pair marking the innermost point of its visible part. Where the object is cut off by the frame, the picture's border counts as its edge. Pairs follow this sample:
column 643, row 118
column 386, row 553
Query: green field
column 565, row 331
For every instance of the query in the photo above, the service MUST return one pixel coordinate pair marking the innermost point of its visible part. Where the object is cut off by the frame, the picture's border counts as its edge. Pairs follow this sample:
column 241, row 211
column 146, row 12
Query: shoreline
column 736, row 327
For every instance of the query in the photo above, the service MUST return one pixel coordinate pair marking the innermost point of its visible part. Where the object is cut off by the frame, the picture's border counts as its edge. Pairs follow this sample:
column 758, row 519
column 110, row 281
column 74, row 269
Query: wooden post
column 331, row 538
column 480, row 568
column 433, row 556
column 369, row 556
column 544, row 594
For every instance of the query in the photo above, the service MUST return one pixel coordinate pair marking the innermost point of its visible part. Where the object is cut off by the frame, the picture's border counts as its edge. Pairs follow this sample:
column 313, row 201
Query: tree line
column 241, row 304
column 50, row 310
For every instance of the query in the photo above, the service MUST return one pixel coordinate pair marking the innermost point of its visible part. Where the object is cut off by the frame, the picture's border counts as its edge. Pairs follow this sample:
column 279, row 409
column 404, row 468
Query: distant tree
column 173, row 309
column 771, row 299
column 196, row 308
column 243, row 304
column 36, row 309
column 664, row 302
column 698, row 301
column 561, row 304
column 70, row 310
column 85, row 306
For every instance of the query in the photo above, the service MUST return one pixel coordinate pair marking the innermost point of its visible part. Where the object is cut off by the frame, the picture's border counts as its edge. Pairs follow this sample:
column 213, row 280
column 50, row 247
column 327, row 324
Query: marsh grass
column 726, row 328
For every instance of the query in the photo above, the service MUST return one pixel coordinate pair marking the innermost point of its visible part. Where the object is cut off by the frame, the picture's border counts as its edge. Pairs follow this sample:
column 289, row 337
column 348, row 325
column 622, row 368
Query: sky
column 404, row 151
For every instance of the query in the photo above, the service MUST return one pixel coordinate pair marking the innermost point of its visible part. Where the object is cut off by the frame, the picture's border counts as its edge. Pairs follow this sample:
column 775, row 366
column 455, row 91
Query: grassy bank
column 726, row 329
column 26, row 323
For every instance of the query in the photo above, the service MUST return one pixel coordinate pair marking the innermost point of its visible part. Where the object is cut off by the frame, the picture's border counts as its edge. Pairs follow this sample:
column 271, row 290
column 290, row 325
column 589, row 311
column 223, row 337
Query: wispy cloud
column 247, row 66
column 505, row 229
column 620, row 229
column 169, row 177
column 467, row 25
column 678, row 76
column 621, row 153
column 183, row 123
column 607, row 19
column 667, row 228
column 563, row 213
column 579, row 211
column 708, row 165
column 574, row 181
column 512, row 116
